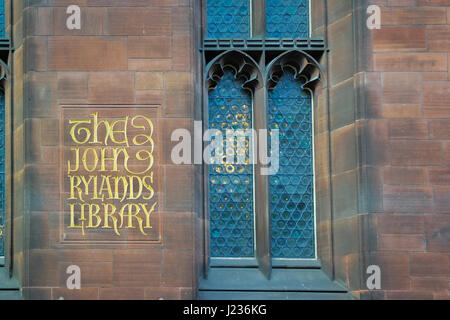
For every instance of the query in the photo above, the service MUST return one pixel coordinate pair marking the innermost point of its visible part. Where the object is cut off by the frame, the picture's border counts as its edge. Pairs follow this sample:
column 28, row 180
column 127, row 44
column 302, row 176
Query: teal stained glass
column 2, row 18
column 292, row 188
column 230, row 186
column 228, row 19
column 287, row 18
column 2, row 170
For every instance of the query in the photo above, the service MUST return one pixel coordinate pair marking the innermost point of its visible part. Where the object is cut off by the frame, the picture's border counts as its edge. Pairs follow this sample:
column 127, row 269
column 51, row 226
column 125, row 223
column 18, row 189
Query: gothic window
column 2, row 19
column 292, row 188
column 260, row 68
column 2, row 171
column 2, row 142
column 231, row 186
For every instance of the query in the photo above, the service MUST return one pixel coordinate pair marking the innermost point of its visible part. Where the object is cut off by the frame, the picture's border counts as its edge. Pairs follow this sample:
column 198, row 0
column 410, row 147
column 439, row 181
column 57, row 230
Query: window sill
column 250, row 283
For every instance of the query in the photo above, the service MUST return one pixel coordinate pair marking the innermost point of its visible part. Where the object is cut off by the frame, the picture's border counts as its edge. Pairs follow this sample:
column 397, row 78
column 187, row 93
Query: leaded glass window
column 287, row 18
column 271, row 218
column 2, row 171
column 2, row 142
column 231, row 185
column 292, row 188
column 228, row 18
column 2, row 19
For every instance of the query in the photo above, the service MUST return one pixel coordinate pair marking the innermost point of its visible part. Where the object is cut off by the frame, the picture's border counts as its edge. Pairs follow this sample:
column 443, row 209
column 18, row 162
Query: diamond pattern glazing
column 231, row 186
column 228, row 19
column 2, row 171
column 287, row 18
column 291, row 189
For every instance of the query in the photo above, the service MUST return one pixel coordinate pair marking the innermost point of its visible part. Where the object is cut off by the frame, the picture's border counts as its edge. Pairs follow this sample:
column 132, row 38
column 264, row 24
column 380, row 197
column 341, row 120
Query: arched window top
column 288, row 86
column 230, row 87
column 240, row 64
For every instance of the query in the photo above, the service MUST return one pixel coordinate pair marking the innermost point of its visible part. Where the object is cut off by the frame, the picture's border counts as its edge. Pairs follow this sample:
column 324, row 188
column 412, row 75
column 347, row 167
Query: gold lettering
column 97, row 157
column 81, row 130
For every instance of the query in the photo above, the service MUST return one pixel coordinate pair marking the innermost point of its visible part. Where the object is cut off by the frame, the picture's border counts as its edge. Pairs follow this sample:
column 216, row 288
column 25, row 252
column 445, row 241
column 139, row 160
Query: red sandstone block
column 41, row 99
column 401, row 87
column 149, row 81
column 401, row 3
column 440, row 129
column 122, row 293
column 181, row 52
column 447, row 153
column 407, row 199
column 117, row 3
column 404, row 176
column 38, row 60
column 439, row 176
column 438, row 233
column 391, row 242
column 150, row 64
column 94, row 274
column 400, row 38
column 438, row 38
column 85, row 255
column 394, row 269
column 416, row 153
column 38, row 230
column 178, row 103
column 139, row 21
column 434, row 76
column 409, row 295
column 82, row 294
column 442, row 195
column 164, row 3
column 43, row 268
column 434, row 3
column 429, row 264
column 87, row 53
column 436, row 97
column 137, row 274
column 410, row 62
column 408, row 129
column 431, row 284
column 149, row 47
column 408, row 16
column 373, row 95
column 407, row 111
column 400, row 224
column 37, row 293
column 162, row 293
column 180, row 233
column 378, row 140
column 178, row 81
column 72, row 86
column 155, row 97
column 111, row 88
column 93, row 21
column 181, row 20
column 178, row 268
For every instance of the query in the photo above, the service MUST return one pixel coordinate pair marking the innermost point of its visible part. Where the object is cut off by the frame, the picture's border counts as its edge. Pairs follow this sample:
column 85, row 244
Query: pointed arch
column 307, row 69
column 243, row 66
column 231, row 80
